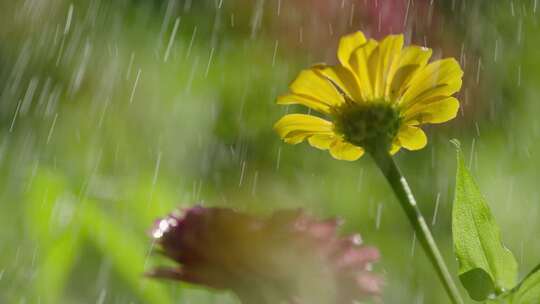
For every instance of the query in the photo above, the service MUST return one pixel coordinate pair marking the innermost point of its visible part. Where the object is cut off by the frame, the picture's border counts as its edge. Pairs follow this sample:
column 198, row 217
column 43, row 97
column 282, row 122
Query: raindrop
column 156, row 169
column 102, row 296
column 135, row 86
column 51, row 130
column 187, row 6
column 471, row 157
column 351, row 17
column 255, row 179
column 29, row 95
column 496, row 51
column 437, row 203
column 68, row 19
column 104, row 111
column 275, row 52
column 278, row 158
column 130, row 65
column 419, row 297
column 15, row 115
column 512, row 8
column 519, row 31
column 191, row 41
column 242, row 172
column 406, row 13
column 34, row 256
column 378, row 217
column 360, row 179
column 192, row 74
column 479, row 67
column 209, row 62
column 413, row 245
column 171, row 39
column 256, row 20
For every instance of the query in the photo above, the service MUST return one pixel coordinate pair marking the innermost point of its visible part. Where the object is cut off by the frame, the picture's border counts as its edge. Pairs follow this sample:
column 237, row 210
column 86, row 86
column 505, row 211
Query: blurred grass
column 90, row 156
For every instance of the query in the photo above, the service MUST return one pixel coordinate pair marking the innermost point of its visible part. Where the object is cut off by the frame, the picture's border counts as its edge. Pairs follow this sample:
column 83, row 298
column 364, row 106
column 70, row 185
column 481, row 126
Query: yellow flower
column 377, row 97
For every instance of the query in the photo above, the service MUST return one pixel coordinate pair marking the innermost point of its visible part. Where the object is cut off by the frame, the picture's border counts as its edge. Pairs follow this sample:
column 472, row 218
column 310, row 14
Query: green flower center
column 371, row 125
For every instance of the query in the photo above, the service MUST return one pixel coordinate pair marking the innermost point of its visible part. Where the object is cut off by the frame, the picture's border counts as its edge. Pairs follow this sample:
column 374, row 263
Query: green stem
column 397, row 181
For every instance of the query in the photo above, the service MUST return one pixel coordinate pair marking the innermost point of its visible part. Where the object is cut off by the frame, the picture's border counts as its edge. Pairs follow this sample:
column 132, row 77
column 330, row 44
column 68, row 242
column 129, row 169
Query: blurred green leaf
column 49, row 208
column 59, row 228
column 127, row 252
column 486, row 267
column 48, row 218
column 53, row 272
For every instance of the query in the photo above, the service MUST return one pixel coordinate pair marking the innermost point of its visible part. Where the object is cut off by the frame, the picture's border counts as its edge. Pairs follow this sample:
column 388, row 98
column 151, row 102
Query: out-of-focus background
column 113, row 113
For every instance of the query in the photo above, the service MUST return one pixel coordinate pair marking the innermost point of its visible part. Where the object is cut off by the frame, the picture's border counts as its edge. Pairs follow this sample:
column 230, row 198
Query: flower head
column 286, row 258
column 376, row 98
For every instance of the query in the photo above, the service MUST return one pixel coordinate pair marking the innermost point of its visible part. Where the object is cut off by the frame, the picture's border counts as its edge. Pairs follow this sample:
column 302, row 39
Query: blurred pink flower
column 288, row 257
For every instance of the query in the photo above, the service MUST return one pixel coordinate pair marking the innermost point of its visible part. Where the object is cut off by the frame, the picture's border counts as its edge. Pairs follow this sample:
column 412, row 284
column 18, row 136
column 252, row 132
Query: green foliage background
column 100, row 135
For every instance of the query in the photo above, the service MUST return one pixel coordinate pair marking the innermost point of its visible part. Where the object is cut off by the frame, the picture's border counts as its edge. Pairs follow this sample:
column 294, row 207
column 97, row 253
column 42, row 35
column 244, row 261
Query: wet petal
column 343, row 78
column 311, row 84
column 412, row 138
column 352, row 257
column 412, row 59
column 395, row 148
column 343, row 150
column 359, row 63
column 382, row 61
column 294, row 128
column 310, row 102
column 348, row 44
column 435, row 111
column 369, row 283
column 321, row 141
column 439, row 78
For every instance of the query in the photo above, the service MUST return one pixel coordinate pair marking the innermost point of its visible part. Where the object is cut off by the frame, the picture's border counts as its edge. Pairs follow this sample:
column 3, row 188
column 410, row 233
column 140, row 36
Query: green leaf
column 53, row 271
column 53, row 234
column 486, row 267
column 528, row 291
column 127, row 251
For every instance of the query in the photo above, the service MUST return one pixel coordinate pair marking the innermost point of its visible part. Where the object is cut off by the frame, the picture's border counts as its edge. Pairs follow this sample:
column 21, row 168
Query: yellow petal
column 439, row 78
column 382, row 61
column 436, row 111
column 343, row 78
column 412, row 138
column 348, row 44
column 343, row 150
column 307, row 101
column 395, row 148
column 359, row 62
column 311, row 84
column 412, row 59
column 321, row 141
column 294, row 128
